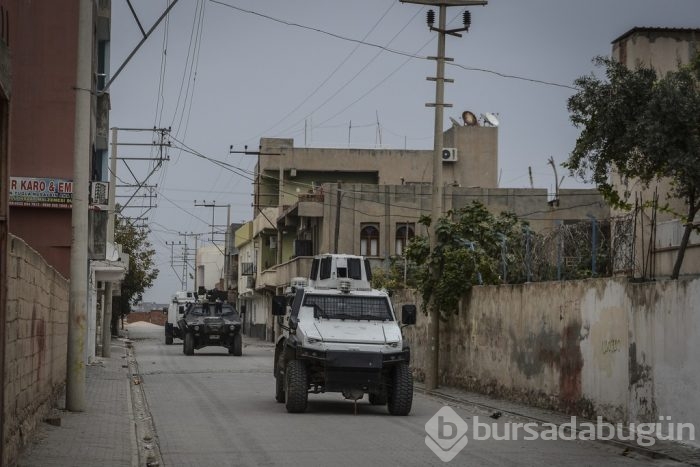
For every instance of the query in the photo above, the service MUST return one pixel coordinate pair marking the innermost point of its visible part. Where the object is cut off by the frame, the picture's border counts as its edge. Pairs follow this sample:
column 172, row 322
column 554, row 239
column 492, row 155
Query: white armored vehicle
column 342, row 336
column 176, row 310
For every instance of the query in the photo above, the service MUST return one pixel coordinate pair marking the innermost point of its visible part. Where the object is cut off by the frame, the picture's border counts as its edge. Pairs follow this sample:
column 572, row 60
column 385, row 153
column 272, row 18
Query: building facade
column 659, row 231
column 368, row 202
column 41, row 144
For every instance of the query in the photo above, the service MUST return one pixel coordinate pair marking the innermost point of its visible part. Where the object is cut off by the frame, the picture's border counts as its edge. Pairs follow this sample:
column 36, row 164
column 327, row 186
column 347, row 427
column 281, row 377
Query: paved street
column 216, row 409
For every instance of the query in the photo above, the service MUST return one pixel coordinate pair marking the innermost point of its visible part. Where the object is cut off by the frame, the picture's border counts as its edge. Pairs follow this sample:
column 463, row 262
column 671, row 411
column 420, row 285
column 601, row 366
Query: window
column 369, row 240
column 349, row 307
column 404, row 234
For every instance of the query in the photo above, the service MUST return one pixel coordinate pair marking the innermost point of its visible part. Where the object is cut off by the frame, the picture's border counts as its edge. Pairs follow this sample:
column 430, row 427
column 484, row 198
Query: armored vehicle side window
column 314, row 269
column 326, row 267
column 354, row 268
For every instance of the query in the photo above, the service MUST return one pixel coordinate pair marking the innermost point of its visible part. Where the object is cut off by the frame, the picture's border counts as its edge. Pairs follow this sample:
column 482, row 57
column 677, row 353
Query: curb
column 148, row 449
column 688, row 455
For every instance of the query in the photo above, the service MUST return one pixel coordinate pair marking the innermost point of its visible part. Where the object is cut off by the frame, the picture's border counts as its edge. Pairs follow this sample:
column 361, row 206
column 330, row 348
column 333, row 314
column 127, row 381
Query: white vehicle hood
column 362, row 332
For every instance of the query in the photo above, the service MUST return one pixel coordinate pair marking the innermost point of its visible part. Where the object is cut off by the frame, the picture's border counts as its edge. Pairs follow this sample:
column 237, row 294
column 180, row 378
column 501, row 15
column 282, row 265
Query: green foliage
column 391, row 278
column 468, row 251
column 142, row 272
column 639, row 127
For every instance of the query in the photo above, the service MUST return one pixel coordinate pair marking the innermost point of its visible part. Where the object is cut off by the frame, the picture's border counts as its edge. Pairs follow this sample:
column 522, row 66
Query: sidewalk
column 102, row 435
column 660, row 450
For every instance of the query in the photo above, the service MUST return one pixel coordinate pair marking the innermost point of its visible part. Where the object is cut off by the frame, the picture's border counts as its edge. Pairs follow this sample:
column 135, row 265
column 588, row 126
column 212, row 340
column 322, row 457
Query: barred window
column 349, row 307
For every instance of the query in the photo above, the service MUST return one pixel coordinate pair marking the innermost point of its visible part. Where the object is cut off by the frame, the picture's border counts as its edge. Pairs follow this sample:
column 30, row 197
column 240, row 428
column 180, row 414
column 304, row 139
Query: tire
column 279, row 382
column 168, row 334
column 400, row 396
column 188, row 346
column 296, row 387
column 377, row 398
column 236, row 346
column 279, row 389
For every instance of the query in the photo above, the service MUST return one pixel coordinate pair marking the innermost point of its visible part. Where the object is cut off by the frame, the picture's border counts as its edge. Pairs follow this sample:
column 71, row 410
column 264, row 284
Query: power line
column 397, row 52
column 347, row 83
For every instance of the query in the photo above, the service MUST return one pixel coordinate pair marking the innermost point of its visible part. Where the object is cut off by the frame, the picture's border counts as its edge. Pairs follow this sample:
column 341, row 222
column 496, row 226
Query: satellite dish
column 469, row 118
column 490, row 119
column 455, row 123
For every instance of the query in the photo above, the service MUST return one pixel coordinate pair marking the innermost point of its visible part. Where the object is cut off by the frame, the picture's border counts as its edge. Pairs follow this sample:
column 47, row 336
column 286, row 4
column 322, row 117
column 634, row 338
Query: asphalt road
column 213, row 409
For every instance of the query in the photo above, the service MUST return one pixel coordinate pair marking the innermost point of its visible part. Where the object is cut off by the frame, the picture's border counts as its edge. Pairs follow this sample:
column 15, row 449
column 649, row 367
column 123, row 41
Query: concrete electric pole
column 432, row 361
column 77, row 311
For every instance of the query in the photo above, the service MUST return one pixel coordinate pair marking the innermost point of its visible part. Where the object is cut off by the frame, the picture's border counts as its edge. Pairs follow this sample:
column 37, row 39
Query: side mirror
column 279, row 305
column 408, row 314
column 165, row 310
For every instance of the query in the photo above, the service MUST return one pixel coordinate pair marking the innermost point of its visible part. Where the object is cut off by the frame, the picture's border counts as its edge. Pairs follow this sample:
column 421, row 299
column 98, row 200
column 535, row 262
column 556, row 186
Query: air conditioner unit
column 250, row 282
column 99, row 193
column 449, row 154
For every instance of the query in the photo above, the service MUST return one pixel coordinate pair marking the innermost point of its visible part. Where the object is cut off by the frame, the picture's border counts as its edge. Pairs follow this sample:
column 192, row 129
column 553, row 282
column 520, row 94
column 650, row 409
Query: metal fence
column 572, row 250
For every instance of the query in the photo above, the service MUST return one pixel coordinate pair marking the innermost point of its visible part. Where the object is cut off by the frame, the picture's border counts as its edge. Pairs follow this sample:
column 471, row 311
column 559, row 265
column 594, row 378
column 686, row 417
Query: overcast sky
column 228, row 72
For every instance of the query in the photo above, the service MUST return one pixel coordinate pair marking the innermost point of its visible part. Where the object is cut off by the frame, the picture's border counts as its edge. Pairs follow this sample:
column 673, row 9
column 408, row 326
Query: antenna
column 455, row 123
column 490, row 119
column 469, row 118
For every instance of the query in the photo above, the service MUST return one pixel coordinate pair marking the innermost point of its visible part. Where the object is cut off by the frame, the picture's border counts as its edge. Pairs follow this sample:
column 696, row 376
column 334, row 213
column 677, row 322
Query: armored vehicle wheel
column 236, row 346
column 296, row 387
column 188, row 346
column 279, row 380
column 400, row 394
column 377, row 398
column 279, row 388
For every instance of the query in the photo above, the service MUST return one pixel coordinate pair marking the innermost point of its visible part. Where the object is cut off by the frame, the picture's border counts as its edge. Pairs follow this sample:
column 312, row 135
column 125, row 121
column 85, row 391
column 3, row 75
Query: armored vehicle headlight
column 196, row 328
column 312, row 340
column 232, row 327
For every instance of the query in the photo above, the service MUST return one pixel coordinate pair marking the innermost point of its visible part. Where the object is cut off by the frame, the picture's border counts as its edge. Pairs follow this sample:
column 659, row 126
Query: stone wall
column 36, row 343
column 625, row 351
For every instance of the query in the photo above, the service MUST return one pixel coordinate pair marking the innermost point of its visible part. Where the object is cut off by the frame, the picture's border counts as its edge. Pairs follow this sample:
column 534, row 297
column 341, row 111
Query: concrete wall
column 389, row 207
column 210, row 266
column 625, row 351
column 476, row 165
column 36, row 343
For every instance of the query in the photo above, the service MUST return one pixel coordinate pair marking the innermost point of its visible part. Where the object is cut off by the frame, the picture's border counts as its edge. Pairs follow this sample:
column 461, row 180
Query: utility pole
column 226, row 251
column 338, row 199
column 77, row 311
column 432, row 360
column 111, row 215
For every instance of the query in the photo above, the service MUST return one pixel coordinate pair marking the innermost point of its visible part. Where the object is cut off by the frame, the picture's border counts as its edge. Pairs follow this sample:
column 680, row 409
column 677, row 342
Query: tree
column 468, row 251
column 640, row 127
column 141, row 272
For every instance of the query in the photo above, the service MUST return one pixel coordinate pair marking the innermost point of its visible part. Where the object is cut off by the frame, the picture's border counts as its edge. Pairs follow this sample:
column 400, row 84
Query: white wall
column 211, row 260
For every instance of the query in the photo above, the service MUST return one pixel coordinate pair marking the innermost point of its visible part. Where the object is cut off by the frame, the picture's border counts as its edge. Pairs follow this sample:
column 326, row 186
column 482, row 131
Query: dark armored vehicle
column 208, row 324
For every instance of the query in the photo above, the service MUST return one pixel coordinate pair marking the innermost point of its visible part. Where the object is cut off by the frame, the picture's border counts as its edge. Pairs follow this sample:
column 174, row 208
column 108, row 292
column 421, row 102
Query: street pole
column 338, row 200
column 111, row 215
column 433, row 360
column 432, row 354
column 227, row 252
column 77, row 311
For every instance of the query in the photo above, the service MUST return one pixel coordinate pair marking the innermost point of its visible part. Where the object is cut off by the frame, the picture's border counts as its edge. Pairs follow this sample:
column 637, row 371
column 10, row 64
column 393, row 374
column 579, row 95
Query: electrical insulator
column 467, row 18
column 431, row 17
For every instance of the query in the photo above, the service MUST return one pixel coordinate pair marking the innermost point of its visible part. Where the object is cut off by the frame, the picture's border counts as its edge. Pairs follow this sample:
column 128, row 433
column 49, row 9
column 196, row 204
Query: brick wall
column 36, row 343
